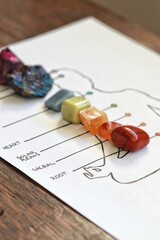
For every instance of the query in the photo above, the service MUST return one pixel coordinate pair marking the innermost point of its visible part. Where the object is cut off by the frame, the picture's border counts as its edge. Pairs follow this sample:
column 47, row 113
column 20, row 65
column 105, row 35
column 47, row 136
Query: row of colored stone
column 27, row 81
column 34, row 81
column 77, row 109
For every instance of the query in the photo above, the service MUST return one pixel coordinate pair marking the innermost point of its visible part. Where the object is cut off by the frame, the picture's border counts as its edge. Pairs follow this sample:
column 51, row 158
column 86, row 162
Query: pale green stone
column 71, row 107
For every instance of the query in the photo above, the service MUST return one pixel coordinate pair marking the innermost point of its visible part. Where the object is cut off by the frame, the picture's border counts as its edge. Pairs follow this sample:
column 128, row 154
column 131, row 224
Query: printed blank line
column 77, row 152
column 4, row 89
column 45, row 149
column 9, row 95
column 63, row 142
column 23, row 119
column 42, row 134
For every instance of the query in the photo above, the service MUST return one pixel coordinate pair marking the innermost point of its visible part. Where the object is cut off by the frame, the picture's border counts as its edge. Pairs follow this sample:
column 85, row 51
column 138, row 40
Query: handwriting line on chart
column 68, row 139
column 52, row 146
column 42, row 134
column 9, row 95
column 93, row 145
column 4, row 89
column 23, row 119
column 77, row 152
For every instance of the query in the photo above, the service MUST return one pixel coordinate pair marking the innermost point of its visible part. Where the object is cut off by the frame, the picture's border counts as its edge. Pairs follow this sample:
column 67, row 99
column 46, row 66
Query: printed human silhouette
column 129, row 106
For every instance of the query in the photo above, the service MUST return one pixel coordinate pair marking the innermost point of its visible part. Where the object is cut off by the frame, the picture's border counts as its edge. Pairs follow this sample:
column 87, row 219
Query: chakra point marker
column 89, row 93
column 92, row 118
column 71, row 107
column 33, row 81
column 114, row 105
column 8, row 63
column 142, row 124
column 129, row 138
column 128, row 114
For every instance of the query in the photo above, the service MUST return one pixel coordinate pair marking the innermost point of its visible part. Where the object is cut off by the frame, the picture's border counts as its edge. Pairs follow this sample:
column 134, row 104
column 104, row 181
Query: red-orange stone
column 92, row 118
column 129, row 138
column 105, row 129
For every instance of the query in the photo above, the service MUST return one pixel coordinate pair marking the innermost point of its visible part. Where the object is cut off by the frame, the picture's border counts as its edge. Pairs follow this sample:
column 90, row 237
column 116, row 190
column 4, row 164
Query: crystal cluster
column 8, row 63
column 27, row 81
column 33, row 81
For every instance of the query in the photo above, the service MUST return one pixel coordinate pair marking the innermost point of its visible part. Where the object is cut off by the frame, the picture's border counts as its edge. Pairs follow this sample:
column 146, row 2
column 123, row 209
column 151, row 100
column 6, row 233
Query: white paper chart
column 118, row 191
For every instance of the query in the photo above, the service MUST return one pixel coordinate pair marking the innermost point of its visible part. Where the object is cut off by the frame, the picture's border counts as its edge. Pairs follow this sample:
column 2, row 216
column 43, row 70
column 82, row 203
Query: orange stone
column 105, row 130
column 129, row 138
column 92, row 119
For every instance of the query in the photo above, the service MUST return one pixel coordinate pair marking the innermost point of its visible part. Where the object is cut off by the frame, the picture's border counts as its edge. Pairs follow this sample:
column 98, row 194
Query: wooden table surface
column 28, row 211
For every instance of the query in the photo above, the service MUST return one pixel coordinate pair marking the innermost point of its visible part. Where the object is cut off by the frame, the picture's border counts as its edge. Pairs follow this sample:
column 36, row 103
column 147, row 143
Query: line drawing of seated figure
column 115, row 160
column 123, row 167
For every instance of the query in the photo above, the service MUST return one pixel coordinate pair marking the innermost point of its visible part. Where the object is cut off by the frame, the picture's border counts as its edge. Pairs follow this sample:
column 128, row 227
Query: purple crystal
column 33, row 81
column 8, row 63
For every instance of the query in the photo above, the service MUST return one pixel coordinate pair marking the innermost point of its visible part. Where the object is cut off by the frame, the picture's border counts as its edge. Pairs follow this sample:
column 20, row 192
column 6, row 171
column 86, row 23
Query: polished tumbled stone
column 105, row 130
column 57, row 99
column 129, row 138
column 92, row 118
column 71, row 107
column 8, row 63
column 34, row 81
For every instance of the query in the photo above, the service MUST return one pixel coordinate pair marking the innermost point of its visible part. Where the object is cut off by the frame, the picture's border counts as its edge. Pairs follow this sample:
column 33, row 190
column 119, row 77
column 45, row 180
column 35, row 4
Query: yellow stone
column 71, row 107
column 92, row 119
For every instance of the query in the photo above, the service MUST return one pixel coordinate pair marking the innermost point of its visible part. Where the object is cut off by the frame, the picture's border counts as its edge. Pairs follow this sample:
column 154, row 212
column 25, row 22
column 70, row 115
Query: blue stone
column 33, row 81
column 57, row 99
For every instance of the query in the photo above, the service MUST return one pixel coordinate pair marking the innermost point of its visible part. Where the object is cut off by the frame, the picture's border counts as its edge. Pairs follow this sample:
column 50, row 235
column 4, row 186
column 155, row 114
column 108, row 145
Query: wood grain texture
column 27, row 211
column 30, row 212
column 22, row 19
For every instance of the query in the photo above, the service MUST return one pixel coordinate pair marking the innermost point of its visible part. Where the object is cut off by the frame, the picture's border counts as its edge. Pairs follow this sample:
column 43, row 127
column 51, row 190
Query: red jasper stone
column 105, row 129
column 129, row 138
